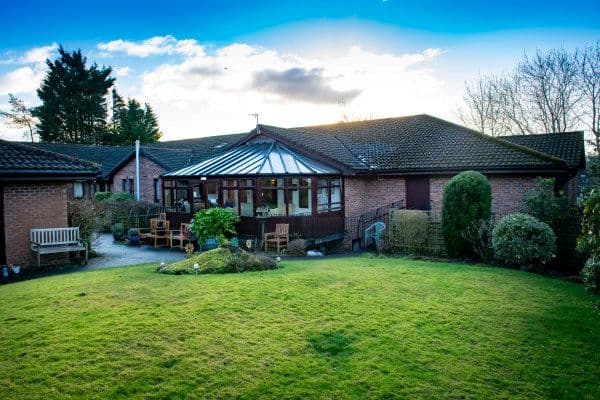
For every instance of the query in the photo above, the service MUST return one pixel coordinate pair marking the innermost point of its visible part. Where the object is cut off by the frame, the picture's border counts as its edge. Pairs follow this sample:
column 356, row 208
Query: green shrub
column 542, row 203
column 407, row 231
column 219, row 261
column 82, row 213
column 467, row 198
column 213, row 222
column 589, row 240
column 479, row 236
column 523, row 241
column 100, row 196
column 122, row 196
column 296, row 248
column 591, row 274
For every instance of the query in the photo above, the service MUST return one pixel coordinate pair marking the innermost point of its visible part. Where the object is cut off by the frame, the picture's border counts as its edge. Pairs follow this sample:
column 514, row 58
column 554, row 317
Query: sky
column 205, row 66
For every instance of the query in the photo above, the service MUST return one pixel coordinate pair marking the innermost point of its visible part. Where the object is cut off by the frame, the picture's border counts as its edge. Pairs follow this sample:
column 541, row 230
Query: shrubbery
column 219, row 261
column 296, row 248
column 408, row 231
column 479, row 236
column 589, row 240
column 213, row 222
column 542, row 203
column 467, row 198
column 82, row 214
column 521, row 240
column 591, row 274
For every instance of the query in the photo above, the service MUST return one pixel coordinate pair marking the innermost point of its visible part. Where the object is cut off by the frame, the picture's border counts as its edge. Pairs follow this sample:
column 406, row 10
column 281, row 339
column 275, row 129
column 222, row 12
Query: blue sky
column 205, row 66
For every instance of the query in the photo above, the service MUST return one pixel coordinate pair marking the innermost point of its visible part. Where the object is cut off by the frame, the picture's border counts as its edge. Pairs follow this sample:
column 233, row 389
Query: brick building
column 364, row 166
column 34, row 186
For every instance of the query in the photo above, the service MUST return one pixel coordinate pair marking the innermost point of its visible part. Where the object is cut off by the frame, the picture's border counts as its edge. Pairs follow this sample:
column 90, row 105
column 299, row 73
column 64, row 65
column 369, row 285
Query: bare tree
column 20, row 116
column 550, row 87
column 589, row 64
column 542, row 94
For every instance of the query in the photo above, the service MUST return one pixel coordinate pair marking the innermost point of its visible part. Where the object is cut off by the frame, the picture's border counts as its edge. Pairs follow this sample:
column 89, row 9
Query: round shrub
column 522, row 241
column 213, row 222
column 591, row 274
column 467, row 198
column 297, row 248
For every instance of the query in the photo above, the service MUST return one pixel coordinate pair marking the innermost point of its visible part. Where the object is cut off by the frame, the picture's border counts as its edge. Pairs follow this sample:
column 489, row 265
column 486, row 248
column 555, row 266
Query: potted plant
column 118, row 231
column 134, row 236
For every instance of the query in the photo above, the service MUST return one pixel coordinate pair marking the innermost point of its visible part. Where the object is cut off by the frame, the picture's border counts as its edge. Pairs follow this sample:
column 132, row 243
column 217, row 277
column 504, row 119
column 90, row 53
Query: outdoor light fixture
column 278, row 259
column 196, row 268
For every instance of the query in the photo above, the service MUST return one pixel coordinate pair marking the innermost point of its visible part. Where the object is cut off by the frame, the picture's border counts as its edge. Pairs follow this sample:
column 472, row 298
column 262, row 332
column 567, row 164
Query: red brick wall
column 28, row 206
column 148, row 171
column 365, row 194
column 507, row 193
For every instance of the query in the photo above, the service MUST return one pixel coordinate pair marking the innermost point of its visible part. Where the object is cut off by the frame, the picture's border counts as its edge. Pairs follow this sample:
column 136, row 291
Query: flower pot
column 16, row 269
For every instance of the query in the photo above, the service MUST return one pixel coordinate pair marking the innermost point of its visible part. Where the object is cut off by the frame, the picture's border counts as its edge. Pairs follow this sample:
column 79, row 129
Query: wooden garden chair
column 159, row 229
column 280, row 237
column 182, row 236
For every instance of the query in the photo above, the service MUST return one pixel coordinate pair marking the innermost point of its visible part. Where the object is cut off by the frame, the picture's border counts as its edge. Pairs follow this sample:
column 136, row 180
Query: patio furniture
column 159, row 230
column 280, row 237
column 57, row 240
column 374, row 233
column 182, row 236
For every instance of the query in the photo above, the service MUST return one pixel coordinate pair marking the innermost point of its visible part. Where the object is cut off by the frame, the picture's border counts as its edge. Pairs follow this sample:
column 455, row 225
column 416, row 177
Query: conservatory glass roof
column 259, row 158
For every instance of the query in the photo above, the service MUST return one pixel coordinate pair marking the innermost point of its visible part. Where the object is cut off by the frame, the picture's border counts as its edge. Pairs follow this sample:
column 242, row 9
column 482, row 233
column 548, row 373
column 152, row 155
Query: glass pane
column 168, row 195
column 300, row 202
column 336, row 182
column 211, row 193
column 230, row 199
column 197, row 195
column 274, row 199
column 169, row 183
column 181, row 202
column 322, row 182
column 230, row 183
column 182, row 183
column 246, row 203
column 247, row 182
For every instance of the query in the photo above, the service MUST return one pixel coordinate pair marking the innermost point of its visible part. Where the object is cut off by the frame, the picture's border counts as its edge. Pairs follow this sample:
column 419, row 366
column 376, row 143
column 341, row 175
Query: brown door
column 417, row 193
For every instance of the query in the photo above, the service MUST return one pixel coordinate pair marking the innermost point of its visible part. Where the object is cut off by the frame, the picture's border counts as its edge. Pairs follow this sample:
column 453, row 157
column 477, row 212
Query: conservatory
column 265, row 183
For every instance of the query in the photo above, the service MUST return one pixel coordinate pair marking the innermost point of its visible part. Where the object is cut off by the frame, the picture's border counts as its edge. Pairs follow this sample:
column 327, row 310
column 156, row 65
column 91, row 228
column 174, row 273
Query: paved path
column 112, row 254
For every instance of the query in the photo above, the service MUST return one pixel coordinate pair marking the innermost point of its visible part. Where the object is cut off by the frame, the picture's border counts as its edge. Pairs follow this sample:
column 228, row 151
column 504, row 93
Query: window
column 127, row 185
column 272, row 195
column 156, row 187
column 246, row 195
column 175, row 196
column 329, row 194
column 230, row 194
column 78, row 190
column 299, row 196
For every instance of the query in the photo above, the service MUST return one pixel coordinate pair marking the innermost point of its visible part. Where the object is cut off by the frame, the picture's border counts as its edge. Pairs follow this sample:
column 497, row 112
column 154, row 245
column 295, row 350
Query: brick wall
column 28, row 206
column 366, row 194
column 507, row 193
column 149, row 170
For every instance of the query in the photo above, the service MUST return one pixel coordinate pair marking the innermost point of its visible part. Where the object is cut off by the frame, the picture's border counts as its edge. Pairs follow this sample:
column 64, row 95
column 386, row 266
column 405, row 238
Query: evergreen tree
column 73, row 98
column 131, row 122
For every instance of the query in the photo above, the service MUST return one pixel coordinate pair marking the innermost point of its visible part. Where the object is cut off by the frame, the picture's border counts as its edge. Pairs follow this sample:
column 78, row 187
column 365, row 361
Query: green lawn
column 342, row 328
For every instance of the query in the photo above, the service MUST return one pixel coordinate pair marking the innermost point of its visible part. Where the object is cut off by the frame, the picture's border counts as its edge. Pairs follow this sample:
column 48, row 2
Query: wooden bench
column 57, row 240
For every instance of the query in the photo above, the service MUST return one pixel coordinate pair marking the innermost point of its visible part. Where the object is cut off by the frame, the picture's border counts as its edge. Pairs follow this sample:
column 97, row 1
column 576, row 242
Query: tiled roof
column 569, row 146
column 203, row 148
column 412, row 144
column 108, row 158
column 22, row 160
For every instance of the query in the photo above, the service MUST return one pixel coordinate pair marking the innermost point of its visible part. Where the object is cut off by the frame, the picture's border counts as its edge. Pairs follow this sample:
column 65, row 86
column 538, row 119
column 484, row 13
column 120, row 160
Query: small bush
column 521, row 240
column 542, row 203
column 219, row 261
column 479, row 236
column 122, row 196
column 591, row 274
column 100, row 196
column 213, row 222
column 297, row 248
column 82, row 214
column 407, row 231
column 467, row 198
column 589, row 240
column 118, row 228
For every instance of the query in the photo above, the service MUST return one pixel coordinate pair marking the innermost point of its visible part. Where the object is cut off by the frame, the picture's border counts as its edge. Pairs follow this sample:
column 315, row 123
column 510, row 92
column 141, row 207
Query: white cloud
column 123, row 71
column 214, row 93
column 157, row 45
column 38, row 54
column 21, row 80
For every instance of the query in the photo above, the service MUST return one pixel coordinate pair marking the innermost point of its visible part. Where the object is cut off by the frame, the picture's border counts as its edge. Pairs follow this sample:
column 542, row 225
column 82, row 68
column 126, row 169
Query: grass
column 329, row 328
